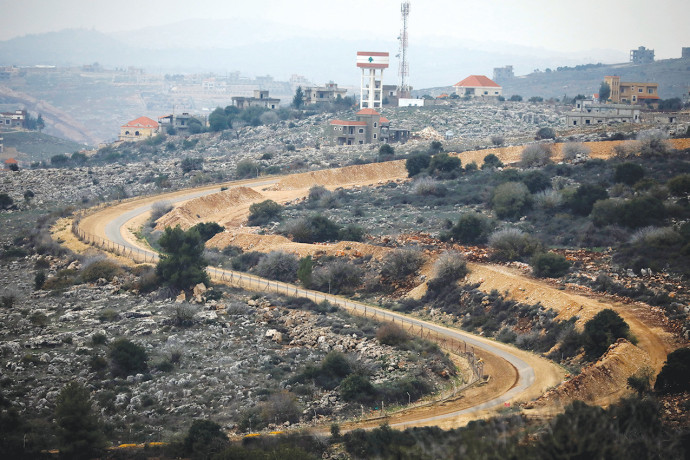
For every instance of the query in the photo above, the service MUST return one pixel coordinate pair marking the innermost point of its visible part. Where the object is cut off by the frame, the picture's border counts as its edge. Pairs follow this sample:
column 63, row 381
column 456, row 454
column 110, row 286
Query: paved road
column 526, row 376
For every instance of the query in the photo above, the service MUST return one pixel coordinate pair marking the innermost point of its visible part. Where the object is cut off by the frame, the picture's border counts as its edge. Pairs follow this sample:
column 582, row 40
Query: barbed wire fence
column 255, row 283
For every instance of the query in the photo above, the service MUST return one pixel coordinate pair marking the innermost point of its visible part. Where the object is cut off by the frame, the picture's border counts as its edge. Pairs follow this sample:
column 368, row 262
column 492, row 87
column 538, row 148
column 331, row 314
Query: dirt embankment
column 349, row 175
column 209, row 208
column 512, row 154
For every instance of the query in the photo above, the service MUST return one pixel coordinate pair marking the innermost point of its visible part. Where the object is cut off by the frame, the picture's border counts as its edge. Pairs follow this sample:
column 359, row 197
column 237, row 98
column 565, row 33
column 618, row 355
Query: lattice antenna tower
column 403, row 69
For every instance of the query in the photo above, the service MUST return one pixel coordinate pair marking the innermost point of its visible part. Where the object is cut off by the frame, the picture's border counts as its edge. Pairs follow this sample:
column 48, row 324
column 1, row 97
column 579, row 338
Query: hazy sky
column 662, row 25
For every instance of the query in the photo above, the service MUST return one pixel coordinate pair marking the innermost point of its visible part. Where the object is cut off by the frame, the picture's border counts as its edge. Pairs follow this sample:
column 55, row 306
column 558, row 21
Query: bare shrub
column 510, row 200
column 337, row 277
column 498, row 140
column 575, row 152
column 278, row 265
column 625, row 150
column 237, row 309
column 391, row 334
column 450, row 267
column 653, row 142
column 99, row 268
column 401, row 263
column 548, row 199
column 535, row 155
column 513, row 244
column 281, row 407
column 317, row 192
column 655, row 236
column 159, row 209
column 427, row 186
column 183, row 314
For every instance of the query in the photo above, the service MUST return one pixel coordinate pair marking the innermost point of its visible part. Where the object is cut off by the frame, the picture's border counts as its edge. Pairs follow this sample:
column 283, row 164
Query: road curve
column 115, row 227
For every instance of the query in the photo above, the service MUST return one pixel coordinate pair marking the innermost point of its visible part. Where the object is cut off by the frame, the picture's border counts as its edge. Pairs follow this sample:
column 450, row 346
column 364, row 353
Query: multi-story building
column 587, row 112
column 322, row 94
column 260, row 99
column 623, row 92
column 641, row 56
column 136, row 130
column 502, row 74
column 368, row 127
column 478, row 86
column 16, row 119
column 178, row 123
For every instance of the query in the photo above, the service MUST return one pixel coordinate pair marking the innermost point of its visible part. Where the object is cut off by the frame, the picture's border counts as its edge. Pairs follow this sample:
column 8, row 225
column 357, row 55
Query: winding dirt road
column 515, row 375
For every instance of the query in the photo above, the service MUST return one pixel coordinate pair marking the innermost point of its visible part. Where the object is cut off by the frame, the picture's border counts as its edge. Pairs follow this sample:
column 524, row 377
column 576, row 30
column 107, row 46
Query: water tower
column 372, row 64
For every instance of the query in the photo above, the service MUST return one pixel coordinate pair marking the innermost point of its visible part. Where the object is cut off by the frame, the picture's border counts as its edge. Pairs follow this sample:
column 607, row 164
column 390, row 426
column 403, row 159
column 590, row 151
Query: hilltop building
column 322, row 94
column 478, row 86
column 16, row 119
column 179, row 123
column 504, row 73
column 260, row 99
column 587, row 112
column 631, row 92
column 368, row 127
column 641, row 56
column 136, row 130
column 685, row 52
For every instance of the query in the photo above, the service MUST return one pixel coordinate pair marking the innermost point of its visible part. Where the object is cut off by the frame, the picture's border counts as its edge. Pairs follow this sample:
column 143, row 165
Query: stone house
column 260, row 99
column 136, row 130
column 587, row 112
column 179, row 122
column 322, row 94
column 478, row 86
column 16, row 119
column 367, row 128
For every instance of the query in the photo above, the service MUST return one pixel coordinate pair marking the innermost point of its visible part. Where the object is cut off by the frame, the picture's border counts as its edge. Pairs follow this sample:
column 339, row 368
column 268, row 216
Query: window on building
column 650, row 90
column 574, row 122
column 639, row 90
column 126, row 133
column 361, row 142
column 586, row 122
column 374, row 136
column 486, row 92
column 136, row 133
column 375, row 124
column 361, row 130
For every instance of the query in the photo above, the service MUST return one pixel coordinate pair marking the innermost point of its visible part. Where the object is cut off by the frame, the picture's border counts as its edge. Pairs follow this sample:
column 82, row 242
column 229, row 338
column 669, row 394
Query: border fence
column 254, row 283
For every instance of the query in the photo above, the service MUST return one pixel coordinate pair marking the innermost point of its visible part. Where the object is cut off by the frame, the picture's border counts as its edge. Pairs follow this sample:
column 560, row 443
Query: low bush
column 391, row 334
column 675, row 375
column 278, row 265
column 127, row 358
column 450, row 267
column 546, row 133
column 575, row 152
column 653, row 142
column 427, row 186
column 491, row 161
column 351, row 232
column 628, row 173
column 401, row 263
column 497, row 140
column 582, row 201
column 417, row 163
column 512, row 244
column 208, row 229
column 471, row 228
column 357, row 387
column 536, row 181
column 679, row 185
column 100, row 269
column 511, row 200
column 601, row 331
column 549, row 265
column 159, row 209
column 337, row 277
column 535, row 155
column 312, row 229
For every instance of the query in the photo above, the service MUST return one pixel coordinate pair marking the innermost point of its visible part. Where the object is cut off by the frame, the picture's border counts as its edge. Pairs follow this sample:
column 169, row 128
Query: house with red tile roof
column 478, row 86
column 136, row 130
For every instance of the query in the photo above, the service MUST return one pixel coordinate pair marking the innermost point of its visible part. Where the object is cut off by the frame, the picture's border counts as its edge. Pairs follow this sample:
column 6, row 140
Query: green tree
column 679, row 185
column 417, row 163
column 218, row 120
column 386, row 150
column 6, row 201
column 515, row 98
column 304, row 271
column 78, row 429
column 511, row 200
column 127, row 358
column 472, row 228
column 601, row 331
column 28, row 194
column 40, row 124
column 549, row 264
column 604, row 92
column 628, row 173
column 298, row 100
column 204, row 439
column 443, row 163
column 264, row 212
column 675, row 375
column 192, row 164
column 546, row 133
column 208, row 229
column 183, row 264
column 582, row 201
column 492, row 161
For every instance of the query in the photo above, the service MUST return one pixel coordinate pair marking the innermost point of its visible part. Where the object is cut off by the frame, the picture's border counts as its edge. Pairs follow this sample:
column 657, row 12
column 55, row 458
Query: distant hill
column 29, row 146
column 672, row 75
column 260, row 50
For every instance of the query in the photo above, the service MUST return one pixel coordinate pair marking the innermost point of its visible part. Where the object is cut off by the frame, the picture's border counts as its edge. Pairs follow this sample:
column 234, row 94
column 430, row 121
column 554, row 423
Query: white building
column 587, row 112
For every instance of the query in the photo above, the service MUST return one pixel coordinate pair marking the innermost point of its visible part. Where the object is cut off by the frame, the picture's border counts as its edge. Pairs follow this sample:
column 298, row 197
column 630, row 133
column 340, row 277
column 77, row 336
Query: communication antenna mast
column 403, row 69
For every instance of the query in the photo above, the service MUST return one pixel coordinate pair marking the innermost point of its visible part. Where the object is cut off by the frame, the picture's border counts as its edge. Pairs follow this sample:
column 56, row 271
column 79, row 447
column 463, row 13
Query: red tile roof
column 368, row 112
column 141, row 122
column 10, row 161
column 474, row 81
column 384, row 120
column 348, row 123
